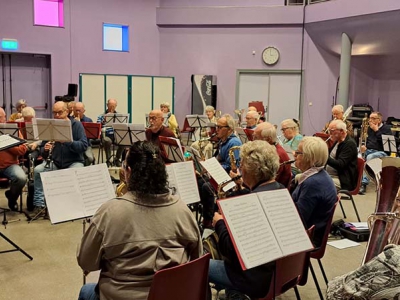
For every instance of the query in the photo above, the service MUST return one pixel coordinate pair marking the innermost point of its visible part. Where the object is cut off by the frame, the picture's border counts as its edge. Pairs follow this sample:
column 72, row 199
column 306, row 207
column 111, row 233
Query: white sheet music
column 124, row 133
column 253, row 235
column 264, row 226
column 197, row 120
column 29, row 132
column 285, row 221
column 181, row 176
column 52, row 130
column 217, row 172
column 9, row 128
column 77, row 192
column 174, row 152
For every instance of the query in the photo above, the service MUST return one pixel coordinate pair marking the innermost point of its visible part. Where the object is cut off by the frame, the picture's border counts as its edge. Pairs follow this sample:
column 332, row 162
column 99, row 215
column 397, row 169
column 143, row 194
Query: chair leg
column 341, row 207
column 296, row 291
column 316, row 282
column 323, row 271
column 355, row 208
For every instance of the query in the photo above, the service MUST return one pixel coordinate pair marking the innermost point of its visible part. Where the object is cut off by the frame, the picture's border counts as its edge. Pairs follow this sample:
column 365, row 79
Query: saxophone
column 385, row 222
column 220, row 191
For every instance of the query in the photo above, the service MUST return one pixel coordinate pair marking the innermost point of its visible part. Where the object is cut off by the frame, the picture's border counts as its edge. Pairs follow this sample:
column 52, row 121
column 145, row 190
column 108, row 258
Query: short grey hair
column 210, row 108
column 268, row 131
column 229, row 121
column 339, row 125
column 261, row 159
column 315, row 151
column 338, row 107
column 166, row 104
column 20, row 102
column 28, row 112
column 253, row 114
column 291, row 124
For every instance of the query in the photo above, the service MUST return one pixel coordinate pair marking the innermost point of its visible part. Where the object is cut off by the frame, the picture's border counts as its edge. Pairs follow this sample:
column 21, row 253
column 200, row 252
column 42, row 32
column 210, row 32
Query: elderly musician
column 63, row 155
column 290, row 131
column 227, row 140
column 374, row 143
column 172, row 123
column 71, row 109
column 259, row 163
column 267, row 132
column 252, row 119
column 79, row 114
column 156, row 128
column 21, row 104
column 159, row 231
column 315, row 194
column 337, row 114
column 342, row 160
column 108, row 135
column 9, row 168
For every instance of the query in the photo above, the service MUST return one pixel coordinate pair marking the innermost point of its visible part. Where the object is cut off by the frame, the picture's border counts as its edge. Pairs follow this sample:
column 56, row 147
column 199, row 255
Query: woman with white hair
column 315, row 194
column 290, row 130
column 259, row 163
column 21, row 104
column 172, row 123
column 27, row 114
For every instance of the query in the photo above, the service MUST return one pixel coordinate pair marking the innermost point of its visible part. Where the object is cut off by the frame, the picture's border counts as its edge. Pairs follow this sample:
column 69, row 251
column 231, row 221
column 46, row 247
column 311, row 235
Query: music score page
column 217, row 172
column 77, row 192
column 182, row 176
column 264, row 226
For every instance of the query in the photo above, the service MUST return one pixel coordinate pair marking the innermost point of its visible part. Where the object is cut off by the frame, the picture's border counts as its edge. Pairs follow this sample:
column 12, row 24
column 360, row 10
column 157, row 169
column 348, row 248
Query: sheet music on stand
column 110, row 119
column 52, row 130
column 76, row 193
column 242, row 135
column 8, row 141
column 218, row 173
column 29, row 132
column 10, row 129
column 196, row 159
column 172, row 148
column 198, row 121
column 127, row 134
column 389, row 143
column 182, row 177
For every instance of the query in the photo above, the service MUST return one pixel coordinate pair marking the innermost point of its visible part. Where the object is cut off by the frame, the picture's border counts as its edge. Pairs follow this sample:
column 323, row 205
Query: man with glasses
column 156, row 128
column 252, row 119
column 374, row 144
column 64, row 155
column 227, row 139
column 337, row 114
column 342, row 160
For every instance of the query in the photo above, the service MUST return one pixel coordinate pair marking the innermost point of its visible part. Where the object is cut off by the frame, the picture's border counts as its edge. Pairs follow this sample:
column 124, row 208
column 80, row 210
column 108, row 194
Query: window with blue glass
column 115, row 37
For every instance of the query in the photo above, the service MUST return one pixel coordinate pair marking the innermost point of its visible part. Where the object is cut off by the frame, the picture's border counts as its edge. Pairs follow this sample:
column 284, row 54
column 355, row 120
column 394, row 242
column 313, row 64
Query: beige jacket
column 130, row 239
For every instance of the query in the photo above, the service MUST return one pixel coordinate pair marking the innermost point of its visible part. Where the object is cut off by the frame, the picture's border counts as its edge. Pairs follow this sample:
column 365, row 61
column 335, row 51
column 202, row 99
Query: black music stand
column 127, row 134
column 389, row 143
column 197, row 121
column 242, row 135
column 16, row 247
column 109, row 120
column 10, row 129
column 8, row 141
column 172, row 149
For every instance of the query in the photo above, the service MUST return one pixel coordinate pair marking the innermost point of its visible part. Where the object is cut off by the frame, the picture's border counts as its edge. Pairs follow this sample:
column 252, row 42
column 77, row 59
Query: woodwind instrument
column 233, row 162
column 49, row 157
column 385, row 222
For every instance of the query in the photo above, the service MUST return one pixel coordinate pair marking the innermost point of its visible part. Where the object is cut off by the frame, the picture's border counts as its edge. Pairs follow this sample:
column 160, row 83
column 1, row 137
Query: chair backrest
column 360, row 170
column 319, row 252
column 188, row 281
column 288, row 271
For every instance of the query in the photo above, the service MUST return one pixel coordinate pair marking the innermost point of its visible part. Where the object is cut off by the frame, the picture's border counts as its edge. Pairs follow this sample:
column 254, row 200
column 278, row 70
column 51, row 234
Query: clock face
column 270, row 55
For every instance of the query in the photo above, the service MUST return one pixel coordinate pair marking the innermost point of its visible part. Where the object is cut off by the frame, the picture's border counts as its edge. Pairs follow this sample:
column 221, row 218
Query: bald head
column 60, row 110
column 2, row 115
column 79, row 110
column 156, row 119
column 265, row 131
column 111, row 105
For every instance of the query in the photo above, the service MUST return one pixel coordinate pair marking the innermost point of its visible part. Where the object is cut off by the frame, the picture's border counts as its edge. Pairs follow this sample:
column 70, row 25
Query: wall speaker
column 72, row 90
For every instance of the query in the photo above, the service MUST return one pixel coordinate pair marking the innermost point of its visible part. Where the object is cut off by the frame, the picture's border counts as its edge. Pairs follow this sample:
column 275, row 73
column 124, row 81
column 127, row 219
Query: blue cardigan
column 314, row 199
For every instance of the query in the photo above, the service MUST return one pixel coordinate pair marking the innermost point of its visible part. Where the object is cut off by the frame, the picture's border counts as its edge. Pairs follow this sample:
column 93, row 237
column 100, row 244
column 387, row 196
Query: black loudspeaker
column 204, row 92
column 72, row 90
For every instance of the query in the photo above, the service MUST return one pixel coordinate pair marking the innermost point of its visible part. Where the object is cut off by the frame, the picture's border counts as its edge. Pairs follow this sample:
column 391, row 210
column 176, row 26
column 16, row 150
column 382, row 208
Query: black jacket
column 345, row 163
column 374, row 139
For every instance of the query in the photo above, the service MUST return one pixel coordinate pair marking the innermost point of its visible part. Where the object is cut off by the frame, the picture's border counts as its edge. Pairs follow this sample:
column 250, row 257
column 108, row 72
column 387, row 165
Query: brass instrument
column 363, row 132
column 385, row 222
column 218, row 114
column 239, row 114
column 221, row 193
column 121, row 188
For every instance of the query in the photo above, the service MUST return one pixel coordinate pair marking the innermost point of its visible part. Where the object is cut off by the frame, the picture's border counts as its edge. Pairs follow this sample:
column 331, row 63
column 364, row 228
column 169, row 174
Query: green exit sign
column 9, row 44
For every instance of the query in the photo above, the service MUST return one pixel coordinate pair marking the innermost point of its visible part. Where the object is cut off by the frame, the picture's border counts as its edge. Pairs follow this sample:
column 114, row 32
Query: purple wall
column 197, row 3
column 78, row 47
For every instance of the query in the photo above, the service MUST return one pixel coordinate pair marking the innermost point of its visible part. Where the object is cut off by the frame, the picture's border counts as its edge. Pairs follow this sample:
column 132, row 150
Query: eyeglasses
column 220, row 127
column 283, row 129
column 60, row 112
column 333, row 130
column 154, row 118
column 298, row 152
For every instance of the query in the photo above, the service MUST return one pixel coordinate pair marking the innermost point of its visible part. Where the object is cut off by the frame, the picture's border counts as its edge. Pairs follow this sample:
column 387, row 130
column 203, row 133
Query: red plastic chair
column 350, row 194
column 188, row 281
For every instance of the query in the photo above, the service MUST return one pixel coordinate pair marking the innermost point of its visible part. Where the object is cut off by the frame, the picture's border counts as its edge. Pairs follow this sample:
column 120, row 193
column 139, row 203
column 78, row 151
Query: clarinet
column 49, row 157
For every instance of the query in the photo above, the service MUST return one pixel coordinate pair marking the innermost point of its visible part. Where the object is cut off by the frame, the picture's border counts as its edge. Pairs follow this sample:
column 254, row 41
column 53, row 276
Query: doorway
column 25, row 76
column 280, row 92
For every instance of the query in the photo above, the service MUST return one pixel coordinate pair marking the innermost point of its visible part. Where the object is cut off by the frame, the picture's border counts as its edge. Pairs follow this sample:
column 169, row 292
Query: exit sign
column 9, row 44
